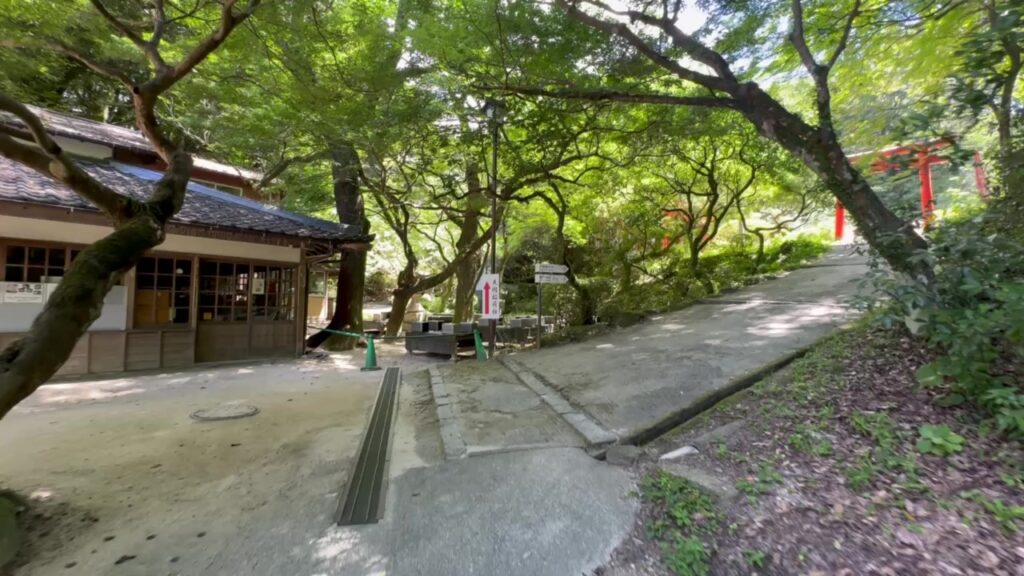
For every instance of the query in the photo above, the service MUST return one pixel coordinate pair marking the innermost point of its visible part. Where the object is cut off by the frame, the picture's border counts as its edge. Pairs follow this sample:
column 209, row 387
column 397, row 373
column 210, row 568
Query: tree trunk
column 820, row 151
column 759, row 259
column 469, row 231
column 76, row 303
column 399, row 306
column 348, row 306
column 465, row 289
column 348, row 200
column 1011, row 157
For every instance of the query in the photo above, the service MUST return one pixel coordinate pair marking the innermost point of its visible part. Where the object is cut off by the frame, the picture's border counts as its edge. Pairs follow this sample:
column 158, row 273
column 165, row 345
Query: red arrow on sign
column 487, row 298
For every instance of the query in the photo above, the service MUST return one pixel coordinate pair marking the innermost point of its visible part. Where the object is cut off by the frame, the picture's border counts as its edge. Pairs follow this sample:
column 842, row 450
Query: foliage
column 939, row 440
column 755, row 558
column 686, row 556
column 724, row 267
column 684, row 512
column 1009, row 516
column 973, row 314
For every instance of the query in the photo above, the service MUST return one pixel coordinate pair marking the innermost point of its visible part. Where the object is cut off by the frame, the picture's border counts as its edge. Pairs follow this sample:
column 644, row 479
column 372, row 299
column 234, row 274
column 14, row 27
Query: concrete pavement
column 645, row 377
column 553, row 511
column 637, row 381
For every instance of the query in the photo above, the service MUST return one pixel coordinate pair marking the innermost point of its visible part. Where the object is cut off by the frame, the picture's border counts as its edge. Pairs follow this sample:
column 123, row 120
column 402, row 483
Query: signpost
column 546, row 274
column 550, row 279
column 551, row 269
column 490, row 299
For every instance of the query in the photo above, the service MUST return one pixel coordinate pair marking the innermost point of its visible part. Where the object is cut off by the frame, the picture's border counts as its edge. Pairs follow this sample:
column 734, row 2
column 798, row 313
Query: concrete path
column 495, row 412
column 636, row 382
column 531, row 513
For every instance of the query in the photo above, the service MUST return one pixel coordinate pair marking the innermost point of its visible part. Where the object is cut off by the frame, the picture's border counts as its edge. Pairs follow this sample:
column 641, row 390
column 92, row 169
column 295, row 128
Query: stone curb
column 595, row 434
column 451, row 432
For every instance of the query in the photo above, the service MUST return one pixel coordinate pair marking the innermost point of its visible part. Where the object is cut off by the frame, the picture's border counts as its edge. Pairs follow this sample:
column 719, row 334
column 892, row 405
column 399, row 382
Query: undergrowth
column 684, row 521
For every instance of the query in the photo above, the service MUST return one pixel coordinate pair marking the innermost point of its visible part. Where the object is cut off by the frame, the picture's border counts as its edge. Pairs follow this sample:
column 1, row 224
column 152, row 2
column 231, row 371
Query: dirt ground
column 821, row 475
column 122, row 480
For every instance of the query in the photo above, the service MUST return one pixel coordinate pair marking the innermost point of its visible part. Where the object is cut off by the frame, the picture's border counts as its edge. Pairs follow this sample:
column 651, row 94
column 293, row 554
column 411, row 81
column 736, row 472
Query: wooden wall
column 109, row 352
column 112, row 351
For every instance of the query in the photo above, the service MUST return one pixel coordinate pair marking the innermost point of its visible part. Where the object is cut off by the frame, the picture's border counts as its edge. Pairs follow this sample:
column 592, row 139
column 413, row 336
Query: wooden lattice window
column 26, row 263
column 163, row 291
column 273, row 293
column 223, row 291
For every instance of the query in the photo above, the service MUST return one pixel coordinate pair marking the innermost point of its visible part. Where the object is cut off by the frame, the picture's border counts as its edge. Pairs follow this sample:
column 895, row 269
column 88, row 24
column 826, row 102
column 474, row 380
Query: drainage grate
column 364, row 499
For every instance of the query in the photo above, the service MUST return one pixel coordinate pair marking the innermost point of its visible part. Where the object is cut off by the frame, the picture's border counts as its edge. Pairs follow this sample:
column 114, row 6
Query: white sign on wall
column 490, row 296
column 22, row 293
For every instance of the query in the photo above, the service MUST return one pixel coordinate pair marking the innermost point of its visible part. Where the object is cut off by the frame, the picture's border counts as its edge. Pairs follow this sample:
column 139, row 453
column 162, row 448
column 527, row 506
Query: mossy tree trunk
column 348, row 199
column 469, row 230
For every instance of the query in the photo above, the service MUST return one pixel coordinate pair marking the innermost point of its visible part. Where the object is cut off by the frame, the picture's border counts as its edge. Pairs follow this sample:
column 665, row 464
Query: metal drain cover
column 225, row 412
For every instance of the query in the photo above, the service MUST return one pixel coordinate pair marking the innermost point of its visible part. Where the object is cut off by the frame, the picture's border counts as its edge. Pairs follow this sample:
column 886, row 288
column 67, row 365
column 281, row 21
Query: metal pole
column 494, row 222
column 540, row 307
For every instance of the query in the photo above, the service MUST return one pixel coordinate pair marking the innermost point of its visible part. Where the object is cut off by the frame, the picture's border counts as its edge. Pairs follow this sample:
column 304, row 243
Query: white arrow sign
column 550, row 279
column 490, row 301
column 550, row 268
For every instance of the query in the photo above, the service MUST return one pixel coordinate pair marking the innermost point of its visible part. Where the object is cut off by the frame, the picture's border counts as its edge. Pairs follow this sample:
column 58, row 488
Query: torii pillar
column 924, row 171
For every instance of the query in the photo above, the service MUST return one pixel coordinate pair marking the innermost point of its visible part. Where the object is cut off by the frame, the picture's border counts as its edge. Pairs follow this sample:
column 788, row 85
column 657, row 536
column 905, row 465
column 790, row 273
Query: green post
column 371, row 356
column 481, row 352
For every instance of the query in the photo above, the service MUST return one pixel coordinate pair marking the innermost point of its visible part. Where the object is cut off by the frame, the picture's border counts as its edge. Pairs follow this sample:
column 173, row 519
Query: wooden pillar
column 300, row 291
column 840, row 220
column 193, row 306
column 129, row 313
column 924, row 171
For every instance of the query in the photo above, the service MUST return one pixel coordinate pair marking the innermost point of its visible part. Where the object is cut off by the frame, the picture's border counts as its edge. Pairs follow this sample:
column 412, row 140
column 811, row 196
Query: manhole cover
column 225, row 412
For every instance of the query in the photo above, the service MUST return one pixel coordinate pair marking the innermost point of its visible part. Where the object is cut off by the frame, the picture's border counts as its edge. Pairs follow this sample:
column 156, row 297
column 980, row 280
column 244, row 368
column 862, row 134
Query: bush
column 726, row 268
column 973, row 315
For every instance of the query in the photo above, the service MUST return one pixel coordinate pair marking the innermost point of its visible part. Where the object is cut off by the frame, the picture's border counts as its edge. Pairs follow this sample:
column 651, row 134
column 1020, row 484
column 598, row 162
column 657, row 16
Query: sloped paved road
column 639, row 380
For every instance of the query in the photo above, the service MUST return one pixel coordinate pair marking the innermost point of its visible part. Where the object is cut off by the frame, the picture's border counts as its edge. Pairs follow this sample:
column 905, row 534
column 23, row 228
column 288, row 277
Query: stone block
column 623, row 455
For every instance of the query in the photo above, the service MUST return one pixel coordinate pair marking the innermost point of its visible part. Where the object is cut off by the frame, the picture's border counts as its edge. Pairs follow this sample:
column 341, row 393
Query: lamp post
column 494, row 110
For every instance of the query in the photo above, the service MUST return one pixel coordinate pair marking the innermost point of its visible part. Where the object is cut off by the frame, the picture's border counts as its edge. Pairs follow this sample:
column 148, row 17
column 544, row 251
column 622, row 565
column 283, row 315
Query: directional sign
column 490, row 300
column 550, row 279
column 550, row 268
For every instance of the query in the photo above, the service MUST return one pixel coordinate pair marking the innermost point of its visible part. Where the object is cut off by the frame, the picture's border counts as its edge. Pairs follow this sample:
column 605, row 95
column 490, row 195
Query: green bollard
column 481, row 352
column 371, row 356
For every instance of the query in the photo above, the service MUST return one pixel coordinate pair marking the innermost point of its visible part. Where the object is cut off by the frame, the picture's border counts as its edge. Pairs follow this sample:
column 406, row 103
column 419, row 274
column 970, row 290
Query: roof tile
column 203, row 205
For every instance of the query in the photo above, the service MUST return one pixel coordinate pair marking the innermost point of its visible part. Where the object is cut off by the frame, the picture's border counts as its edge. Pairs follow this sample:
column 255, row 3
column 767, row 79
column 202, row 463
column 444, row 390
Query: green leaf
column 929, row 376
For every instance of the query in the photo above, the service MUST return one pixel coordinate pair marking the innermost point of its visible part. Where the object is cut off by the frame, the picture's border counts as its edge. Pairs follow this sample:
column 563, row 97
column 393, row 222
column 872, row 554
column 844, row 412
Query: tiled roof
column 115, row 136
column 204, row 206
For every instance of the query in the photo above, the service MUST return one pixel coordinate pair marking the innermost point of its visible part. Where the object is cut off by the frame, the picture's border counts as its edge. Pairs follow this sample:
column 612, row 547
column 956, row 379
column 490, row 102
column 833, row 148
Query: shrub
column 939, row 440
column 972, row 314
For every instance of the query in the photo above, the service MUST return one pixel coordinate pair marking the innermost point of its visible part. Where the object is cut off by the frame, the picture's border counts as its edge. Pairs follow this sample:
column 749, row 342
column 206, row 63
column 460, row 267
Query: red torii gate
column 922, row 156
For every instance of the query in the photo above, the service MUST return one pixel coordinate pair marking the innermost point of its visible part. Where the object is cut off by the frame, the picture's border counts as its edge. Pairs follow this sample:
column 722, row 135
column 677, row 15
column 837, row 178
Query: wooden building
column 229, row 282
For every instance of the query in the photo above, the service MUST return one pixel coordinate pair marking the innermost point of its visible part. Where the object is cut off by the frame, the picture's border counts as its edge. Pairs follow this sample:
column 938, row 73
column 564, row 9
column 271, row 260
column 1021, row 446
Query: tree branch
column 845, row 38
column 799, row 41
column 148, row 48
column 228, row 21
column 101, row 69
column 53, row 162
column 600, row 95
column 690, row 46
column 285, row 163
column 145, row 95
